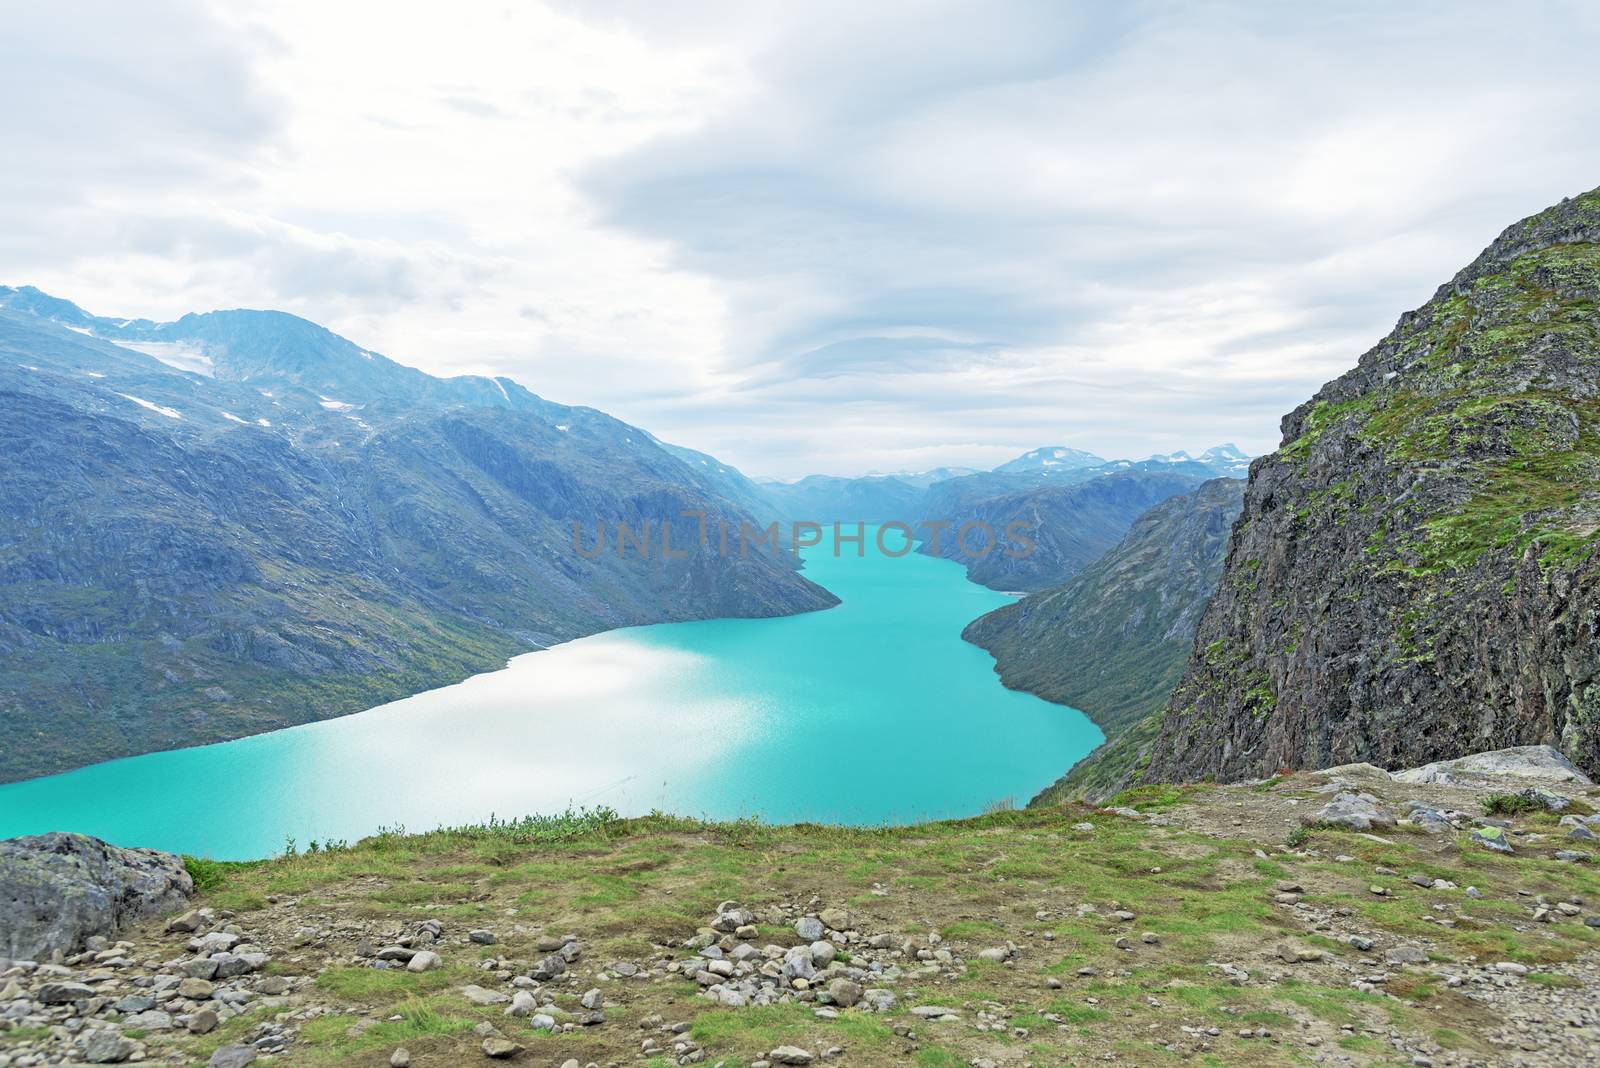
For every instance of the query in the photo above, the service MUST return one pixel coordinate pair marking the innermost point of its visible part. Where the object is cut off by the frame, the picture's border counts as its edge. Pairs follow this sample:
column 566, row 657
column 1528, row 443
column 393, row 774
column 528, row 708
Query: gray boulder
column 1493, row 838
column 232, row 1057
column 1542, row 763
column 1358, row 812
column 58, row 890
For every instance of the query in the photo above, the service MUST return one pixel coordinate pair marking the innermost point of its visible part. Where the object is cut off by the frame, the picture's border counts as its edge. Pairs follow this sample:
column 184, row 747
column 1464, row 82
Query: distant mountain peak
column 270, row 348
column 1052, row 456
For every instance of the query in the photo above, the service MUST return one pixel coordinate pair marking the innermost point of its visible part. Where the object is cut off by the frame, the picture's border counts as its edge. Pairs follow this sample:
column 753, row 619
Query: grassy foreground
column 1205, row 871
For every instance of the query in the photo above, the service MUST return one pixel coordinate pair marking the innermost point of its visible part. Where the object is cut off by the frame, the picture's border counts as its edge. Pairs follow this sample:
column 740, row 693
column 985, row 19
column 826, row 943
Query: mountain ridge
column 187, row 558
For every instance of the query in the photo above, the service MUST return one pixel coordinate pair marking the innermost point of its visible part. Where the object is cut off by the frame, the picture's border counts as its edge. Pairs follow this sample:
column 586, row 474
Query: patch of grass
column 1156, row 797
column 972, row 929
column 759, row 1028
column 330, row 1041
column 25, row 1034
column 382, row 984
column 211, row 875
column 1550, row 979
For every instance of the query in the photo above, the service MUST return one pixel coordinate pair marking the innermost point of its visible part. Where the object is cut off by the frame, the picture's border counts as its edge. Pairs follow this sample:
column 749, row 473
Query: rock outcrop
column 1413, row 577
column 59, row 890
column 1533, row 763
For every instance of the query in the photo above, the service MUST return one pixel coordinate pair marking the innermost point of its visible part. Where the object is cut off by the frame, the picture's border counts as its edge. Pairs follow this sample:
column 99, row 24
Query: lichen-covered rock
column 1535, row 762
column 57, row 890
column 1492, row 838
column 1414, row 575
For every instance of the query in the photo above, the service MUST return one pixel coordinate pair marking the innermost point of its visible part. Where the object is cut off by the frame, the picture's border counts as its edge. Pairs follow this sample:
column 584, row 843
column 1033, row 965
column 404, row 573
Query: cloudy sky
column 804, row 237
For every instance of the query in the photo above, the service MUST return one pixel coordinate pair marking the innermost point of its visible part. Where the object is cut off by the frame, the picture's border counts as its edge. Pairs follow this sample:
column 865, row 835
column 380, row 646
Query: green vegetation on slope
column 1112, row 640
column 1204, row 890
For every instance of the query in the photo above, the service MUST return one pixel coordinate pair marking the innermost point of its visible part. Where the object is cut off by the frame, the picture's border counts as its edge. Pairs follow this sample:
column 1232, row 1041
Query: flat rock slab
column 1534, row 762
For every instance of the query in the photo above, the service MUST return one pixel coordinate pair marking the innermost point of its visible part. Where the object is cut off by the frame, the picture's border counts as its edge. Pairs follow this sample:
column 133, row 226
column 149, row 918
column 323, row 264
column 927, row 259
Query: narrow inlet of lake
column 871, row 712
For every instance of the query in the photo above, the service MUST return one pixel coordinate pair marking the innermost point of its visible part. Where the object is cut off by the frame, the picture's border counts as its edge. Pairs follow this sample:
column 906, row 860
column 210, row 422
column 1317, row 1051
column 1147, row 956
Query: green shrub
column 1514, row 804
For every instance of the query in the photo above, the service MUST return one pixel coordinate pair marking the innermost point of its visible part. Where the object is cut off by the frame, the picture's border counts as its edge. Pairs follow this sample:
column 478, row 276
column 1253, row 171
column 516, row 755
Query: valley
column 871, row 712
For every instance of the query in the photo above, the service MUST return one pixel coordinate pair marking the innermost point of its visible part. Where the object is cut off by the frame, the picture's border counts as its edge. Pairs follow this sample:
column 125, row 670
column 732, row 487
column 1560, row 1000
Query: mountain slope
column 830, row 499
column 1070, row 525
column 1112, row 641
column 188, row 557
column 1414, row 576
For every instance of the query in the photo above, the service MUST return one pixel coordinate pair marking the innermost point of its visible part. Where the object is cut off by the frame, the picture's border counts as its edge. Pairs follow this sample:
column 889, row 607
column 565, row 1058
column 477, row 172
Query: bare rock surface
column 59, row 890
column 1536, row 763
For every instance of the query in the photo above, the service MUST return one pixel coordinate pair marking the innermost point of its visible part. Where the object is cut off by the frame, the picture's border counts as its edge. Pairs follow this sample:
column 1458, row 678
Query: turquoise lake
column 871, row 712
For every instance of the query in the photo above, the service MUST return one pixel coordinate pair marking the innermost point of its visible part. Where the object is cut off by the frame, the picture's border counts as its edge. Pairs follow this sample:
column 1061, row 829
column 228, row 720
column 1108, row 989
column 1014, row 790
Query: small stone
column 1405, row 955
column 232, row 1057
column 203, row 1022
column 522, row 1005
column 790, row 1055
column 400, row 1058
column 424, row 961
column 64, row 993
column 483, row 937
column 838, row 919
column 1511, row 968
column 1492, row 838
column 548, row 967
column 106, row 1047
column 500, row 1048
column 844, row 992
column 592, row 1000
column 195, row 989
column 188, row 923
column 479, row 996
column 809, row 928
column 1295, row 955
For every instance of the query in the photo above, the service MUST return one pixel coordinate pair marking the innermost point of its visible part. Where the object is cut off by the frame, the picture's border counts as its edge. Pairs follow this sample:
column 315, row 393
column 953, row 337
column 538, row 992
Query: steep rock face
column 1112, row 641
column 57, row 890
column 1413, row 577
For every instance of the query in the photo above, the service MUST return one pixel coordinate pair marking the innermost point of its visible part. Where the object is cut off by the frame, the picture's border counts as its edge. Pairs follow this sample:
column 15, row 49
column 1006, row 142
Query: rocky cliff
column 1413, row 576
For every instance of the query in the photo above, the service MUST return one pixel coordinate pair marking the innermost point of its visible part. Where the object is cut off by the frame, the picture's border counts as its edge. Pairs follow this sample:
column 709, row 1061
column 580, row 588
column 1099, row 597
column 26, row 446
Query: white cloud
column 823, row 237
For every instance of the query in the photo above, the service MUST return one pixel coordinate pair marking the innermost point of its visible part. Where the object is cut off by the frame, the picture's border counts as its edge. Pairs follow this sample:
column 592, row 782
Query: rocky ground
column 1342, row 917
